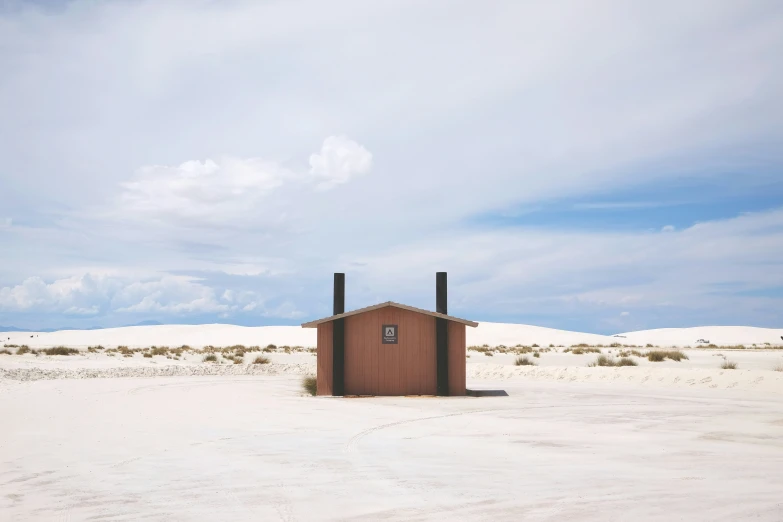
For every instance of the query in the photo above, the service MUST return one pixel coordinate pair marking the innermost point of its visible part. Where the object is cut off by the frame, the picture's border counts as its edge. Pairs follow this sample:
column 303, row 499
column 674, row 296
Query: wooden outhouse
column 391, row 348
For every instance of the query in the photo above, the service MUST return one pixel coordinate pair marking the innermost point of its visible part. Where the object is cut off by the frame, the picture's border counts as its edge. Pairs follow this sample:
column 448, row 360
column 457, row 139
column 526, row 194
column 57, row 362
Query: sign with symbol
column 389, row 333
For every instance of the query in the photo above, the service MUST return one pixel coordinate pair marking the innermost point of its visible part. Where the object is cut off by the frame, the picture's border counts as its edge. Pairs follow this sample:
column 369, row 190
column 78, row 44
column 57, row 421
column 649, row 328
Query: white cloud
column 340, row 160
column 625, row 314
column 668, row 228
column 206, row 191
column 234, row 191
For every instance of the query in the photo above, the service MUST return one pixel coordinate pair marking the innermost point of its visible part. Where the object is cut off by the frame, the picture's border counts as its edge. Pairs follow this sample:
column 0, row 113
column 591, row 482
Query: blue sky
column 601, row 166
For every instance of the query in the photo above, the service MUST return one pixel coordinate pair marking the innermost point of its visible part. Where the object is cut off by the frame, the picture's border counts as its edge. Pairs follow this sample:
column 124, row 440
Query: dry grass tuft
column 580, row 349
column 310, row 384
column 661, row 355
column 729, row 365
column 261, row 360
column 536, row 355
column 603, row 360
column 524, row 361
column 148, row 355
column 60, row 350
column 23, row 350
column 5, row 352
column 210, row 358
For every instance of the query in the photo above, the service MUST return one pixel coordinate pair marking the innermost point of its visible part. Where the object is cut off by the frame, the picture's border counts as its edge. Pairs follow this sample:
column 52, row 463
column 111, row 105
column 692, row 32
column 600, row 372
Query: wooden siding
column 324, row 359
column 405, row 368
column 457, row 359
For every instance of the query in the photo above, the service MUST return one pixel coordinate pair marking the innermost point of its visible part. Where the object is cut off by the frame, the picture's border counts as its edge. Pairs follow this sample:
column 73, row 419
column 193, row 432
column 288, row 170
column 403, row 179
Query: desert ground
column 108, row 433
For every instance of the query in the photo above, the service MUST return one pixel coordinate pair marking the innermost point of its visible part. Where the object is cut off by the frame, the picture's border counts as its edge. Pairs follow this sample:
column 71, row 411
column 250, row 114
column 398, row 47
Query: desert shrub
column 602, row 360
column 615, row 345
column 210, row 358
column 648, row 345
column 551, row 345
column 60, row 350
column 489, row 354
column 238, row 360
column 162, row 350
column 261, row 360
column 535, row 345
column 310, row 384
column 676, row 355
column 711, row 345
column 729, row 365
column 582, row 349
column 148, row 355
column 23, row 350
column 628, row 353
column 11, row 345
column 660, row 355
column 536, row 355
column 524, row 361
column 5, row 352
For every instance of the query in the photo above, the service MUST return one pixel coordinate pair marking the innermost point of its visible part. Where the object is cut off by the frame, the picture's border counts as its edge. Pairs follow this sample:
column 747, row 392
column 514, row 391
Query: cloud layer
column 218, row 161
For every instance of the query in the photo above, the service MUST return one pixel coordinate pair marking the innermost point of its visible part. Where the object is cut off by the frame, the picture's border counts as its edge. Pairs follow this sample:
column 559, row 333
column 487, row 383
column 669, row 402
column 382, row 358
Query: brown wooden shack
column 391, row 348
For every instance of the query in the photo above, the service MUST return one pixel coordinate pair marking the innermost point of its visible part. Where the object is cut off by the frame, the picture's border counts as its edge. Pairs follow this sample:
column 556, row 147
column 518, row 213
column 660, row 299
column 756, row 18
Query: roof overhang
column 314, row 324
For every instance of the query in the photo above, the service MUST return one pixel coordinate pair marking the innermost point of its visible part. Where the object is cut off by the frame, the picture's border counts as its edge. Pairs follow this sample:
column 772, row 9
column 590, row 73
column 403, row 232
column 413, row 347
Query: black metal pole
column 338, row 337
column 442, row 334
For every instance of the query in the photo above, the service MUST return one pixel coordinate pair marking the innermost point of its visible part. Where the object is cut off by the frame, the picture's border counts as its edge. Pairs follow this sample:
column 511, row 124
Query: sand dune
column 720, row 335
column 493, row 334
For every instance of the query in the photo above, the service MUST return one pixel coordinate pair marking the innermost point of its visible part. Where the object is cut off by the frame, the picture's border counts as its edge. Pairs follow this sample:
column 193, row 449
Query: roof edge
column 314, row 324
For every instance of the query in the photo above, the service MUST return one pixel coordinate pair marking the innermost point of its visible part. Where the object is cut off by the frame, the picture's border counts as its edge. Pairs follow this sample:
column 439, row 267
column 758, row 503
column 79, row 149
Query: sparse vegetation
column 310, row 384
column 148, row 355
column 524, row 361
column 210, row 358
column 729, row 365
column 604, row 360
column 580, row 349
column 5, row 352
column 23, row 350
column 778, row 368
column 536, row 355
column 648, row 345
column 60, row 350
column 661, row 355
column 261, row 360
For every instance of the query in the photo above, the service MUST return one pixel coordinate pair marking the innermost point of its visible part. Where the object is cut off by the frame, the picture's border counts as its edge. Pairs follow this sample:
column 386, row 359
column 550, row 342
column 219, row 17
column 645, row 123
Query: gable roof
column 314, row 324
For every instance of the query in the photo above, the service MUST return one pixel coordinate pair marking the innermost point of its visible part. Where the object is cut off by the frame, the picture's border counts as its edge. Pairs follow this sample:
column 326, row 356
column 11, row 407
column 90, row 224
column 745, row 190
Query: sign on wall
column 389, row 334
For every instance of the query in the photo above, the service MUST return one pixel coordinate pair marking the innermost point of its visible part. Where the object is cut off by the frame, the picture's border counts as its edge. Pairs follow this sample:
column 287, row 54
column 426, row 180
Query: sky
column 600, row 166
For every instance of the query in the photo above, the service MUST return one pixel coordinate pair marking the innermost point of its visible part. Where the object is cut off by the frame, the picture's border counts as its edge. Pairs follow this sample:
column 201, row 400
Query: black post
column 441, row 293
column 442, row 334
column 338, row 337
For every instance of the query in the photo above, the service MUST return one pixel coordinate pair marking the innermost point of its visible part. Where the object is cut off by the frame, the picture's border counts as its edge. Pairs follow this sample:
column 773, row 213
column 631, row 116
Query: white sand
column 487, row 333
column 252, row 448
column 99, row 437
